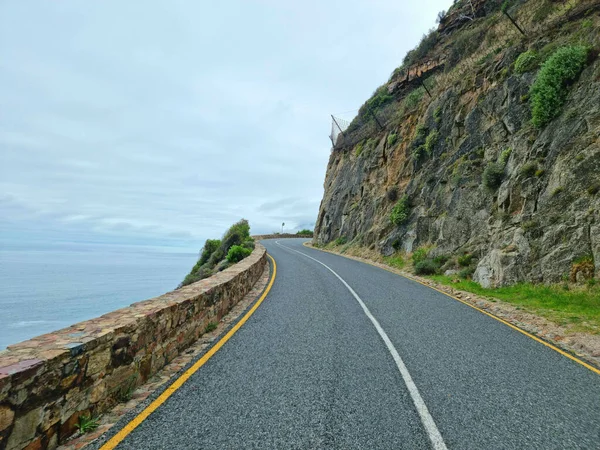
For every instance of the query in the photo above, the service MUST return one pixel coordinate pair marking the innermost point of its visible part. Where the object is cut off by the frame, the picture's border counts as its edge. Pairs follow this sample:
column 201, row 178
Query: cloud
column 168, row 122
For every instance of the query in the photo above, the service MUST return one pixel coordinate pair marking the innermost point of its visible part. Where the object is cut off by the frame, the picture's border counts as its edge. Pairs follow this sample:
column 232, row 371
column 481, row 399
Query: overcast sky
column 163, row 122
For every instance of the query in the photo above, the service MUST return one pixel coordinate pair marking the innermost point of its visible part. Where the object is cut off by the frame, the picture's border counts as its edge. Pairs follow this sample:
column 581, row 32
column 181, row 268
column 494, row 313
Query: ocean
column 46, row 289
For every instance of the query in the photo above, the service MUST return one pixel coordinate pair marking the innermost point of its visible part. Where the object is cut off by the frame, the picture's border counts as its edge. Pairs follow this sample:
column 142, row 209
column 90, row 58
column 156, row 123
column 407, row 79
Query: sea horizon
column 50, row 286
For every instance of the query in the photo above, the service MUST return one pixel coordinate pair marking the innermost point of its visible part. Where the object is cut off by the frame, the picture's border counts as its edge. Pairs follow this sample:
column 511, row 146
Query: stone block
column 97, row 391
column 98, row 362
column 6, row 417
column 24, row 429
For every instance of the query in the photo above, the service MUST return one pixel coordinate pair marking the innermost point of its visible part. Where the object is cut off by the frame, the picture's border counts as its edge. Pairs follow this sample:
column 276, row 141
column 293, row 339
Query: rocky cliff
column 447, row 153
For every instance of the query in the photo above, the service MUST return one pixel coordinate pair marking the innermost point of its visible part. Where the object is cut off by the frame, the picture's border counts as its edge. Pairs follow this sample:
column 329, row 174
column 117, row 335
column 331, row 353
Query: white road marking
column 430, row 427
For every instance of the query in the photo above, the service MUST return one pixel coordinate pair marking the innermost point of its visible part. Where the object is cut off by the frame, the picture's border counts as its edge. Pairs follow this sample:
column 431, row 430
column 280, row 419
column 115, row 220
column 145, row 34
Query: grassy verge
column 578, row 307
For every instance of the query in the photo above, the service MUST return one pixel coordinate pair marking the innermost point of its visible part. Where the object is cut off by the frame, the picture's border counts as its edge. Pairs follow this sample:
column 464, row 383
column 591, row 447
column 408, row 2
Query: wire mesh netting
column 338, row 126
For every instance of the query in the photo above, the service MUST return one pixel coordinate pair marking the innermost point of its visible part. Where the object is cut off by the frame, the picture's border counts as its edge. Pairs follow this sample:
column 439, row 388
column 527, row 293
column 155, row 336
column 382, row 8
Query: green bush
column 466, row 273
column 414, row 98
column 526, row 62
column 440, row 260
column 249, row 244
column 426, row 267
column 215, row 251
column 427, row 43
column 549, row 91
column 305, row 232
column 236, row 253
column 358, row 149
column 528, row 169
column 380, row 97
column 400, row 211
column 493, row 175
column 418, row 152
column 209, row 247
column 391, row 139
column 431, row 140
column 419, row 254
column 341, row 240
column 504, row 156
column 465, row 260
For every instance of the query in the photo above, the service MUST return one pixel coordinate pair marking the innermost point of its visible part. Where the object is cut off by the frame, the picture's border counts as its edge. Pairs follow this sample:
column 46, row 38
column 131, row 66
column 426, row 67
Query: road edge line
column 499, row 319
column 156, row 403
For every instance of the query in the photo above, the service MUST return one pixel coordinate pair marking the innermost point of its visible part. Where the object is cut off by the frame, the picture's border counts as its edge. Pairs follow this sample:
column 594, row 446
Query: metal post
column 375, row 117
column 514, row 23
column 426, row 90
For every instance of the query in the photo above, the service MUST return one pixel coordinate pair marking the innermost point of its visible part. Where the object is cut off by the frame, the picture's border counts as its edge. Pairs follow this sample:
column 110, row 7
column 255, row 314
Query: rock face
column 543, row 213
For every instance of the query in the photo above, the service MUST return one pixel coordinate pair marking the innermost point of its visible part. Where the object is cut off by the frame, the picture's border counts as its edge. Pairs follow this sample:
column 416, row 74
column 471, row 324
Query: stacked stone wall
column 48, row 382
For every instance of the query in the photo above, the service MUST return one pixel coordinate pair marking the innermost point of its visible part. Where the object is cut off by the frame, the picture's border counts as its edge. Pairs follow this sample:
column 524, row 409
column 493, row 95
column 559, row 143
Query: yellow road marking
column 122, row 434
column 514, row 327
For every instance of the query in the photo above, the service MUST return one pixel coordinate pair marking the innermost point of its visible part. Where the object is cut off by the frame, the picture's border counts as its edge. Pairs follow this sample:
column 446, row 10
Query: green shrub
column 210, row 326
column 528, row 169
column 396, row 260
column 341, row 240
column 421, row 131
column 549, row 91
column 437, row 114
column 540, row 172
column 400, row 211
column 427, row 43
column 593, row 189
column 209, row 247
column 465, row 260
column 426, row 267
column 419, row 254
column 305, row 232
column 380, row 97
column 431, row 140
column 526, row 62
column 236, row 253
column 414, row 98
column 466, row 273
column 249, row 244
column 418, row 152
column 504, row 156
column 85, row 424
column 358, row 149
column 493, row 175
column 440, row 260
column 391, row 139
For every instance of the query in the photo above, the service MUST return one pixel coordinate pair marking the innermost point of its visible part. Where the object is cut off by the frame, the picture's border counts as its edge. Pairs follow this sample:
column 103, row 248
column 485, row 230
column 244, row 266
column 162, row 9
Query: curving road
column 345, row 355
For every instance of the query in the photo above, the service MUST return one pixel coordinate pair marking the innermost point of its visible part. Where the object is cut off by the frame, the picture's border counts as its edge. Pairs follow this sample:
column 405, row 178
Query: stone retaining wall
column 259, row 237
column 48, row 382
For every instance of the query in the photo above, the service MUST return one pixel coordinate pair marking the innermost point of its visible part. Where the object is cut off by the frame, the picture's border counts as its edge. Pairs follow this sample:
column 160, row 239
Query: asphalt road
column 311, row 370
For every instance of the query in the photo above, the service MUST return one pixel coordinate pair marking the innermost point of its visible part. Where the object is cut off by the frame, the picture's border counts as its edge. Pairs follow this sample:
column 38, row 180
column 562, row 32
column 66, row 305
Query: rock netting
column 48, row 382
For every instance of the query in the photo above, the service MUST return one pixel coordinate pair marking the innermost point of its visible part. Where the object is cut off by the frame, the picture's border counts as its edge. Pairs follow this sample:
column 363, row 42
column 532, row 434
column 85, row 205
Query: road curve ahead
column 345, row 355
